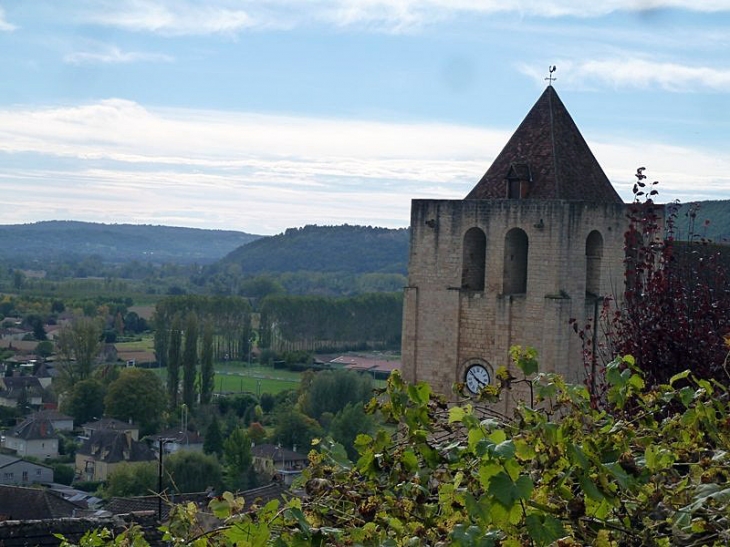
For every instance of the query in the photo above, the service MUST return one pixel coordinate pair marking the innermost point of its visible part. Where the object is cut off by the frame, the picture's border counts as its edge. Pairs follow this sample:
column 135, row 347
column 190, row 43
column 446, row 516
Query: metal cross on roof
column 550, row 78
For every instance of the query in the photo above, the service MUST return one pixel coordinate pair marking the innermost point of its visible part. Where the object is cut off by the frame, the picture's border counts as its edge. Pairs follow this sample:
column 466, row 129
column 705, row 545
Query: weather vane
column 550, row 78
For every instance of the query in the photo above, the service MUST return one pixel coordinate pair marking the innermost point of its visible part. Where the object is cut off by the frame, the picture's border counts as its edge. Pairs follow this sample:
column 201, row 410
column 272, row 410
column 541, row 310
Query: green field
column 145, row 344
column 239, row 378
column 254, row 379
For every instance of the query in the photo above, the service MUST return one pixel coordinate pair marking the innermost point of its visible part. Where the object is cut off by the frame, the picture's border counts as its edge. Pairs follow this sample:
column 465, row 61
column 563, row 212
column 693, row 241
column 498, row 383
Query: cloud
column 171, row 17
column 126, row 131
column 684, row 173
column 637, row 74
column 229, row 17
column 4, row 25
column 116, row 161
column 107, row 54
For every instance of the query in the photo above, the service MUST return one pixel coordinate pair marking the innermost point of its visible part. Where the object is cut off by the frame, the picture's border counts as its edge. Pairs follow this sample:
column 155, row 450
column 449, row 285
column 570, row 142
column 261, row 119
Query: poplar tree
column 207, row 373
column 174, row 359
column 190, row 360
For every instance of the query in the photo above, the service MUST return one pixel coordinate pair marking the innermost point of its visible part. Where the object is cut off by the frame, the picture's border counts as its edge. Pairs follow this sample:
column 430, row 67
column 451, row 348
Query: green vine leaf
column 544, row 529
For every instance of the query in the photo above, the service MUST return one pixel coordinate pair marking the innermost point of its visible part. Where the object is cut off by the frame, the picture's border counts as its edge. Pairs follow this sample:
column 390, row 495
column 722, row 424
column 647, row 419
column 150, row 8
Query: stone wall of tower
column 446, row 325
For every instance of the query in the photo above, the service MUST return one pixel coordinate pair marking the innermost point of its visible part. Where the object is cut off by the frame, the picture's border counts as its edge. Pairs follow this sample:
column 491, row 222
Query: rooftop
column 548, row 154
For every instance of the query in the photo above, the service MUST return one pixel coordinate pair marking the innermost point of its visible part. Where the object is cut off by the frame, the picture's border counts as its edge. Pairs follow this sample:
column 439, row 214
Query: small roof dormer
column 546, row 158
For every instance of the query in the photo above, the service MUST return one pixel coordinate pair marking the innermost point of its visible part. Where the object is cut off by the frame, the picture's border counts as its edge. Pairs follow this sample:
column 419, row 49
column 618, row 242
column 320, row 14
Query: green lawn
column 237, row 378
column 255, row 379
column 146, row 344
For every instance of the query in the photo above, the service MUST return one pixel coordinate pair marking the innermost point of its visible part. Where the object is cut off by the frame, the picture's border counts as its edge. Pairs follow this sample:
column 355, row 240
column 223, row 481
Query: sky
column 261, row 115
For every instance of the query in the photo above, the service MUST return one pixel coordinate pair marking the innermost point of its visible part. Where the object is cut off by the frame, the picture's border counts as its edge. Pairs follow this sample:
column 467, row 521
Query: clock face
column 476, row 377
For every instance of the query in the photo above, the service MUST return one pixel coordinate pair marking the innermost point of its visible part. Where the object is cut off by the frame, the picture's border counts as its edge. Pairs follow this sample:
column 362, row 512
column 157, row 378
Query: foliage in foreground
column 675, row 309
column 650, row 469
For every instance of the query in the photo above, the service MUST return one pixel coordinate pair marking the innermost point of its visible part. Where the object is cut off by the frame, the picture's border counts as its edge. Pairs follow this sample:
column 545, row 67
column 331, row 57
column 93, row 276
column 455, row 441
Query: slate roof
column 277, row 453
column 258, row 497
column 255, row 497
column 151, row 504
column 6, row 460
column 52, row 414
column 115, row 446
column 547, row 150
column 39, row 533
column 46, row 370
column 19, row 503
column 109, row 424
column 181, row 437
column 33, row 428
column 126, row 511
column 13, row 386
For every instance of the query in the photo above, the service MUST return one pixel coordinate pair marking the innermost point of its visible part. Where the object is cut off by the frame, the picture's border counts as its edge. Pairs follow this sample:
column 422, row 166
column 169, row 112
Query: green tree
column 174, row 360
column 18, row 280
column 63, row 473
column 138, row 394
column 267, row 402
column 190, row 471
column 348, row 423
column 44, row 349
column 132, row 479
column 78, row 347
column 294, row 429
column 85, row 401
column 207, row 372
column 260, row 286
column 331, row 391
column 119, row 324
column 190, row 360
column 237, row 456
column 213, row 442
column 35, row 322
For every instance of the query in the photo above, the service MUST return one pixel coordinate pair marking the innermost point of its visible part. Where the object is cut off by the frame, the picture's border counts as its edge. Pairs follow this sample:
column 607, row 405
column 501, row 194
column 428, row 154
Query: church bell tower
column 537, row 242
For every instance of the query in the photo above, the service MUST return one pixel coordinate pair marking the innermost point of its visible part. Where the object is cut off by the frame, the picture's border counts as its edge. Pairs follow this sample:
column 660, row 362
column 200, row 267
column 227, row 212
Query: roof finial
column 550, row 78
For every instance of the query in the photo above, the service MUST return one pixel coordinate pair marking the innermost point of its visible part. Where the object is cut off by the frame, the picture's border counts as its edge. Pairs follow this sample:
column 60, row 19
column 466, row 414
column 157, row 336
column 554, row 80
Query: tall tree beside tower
column 174, row 359
column 206, row 365
column 190, row 360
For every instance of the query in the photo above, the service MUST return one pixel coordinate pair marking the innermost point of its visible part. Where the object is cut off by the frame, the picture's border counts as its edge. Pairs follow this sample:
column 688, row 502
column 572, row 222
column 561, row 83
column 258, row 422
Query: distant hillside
column 350, row 249
column 116, row 243
column 716, row 212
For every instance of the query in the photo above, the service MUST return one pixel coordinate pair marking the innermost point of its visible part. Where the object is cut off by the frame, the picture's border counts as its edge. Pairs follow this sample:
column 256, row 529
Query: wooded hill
column 117, row 243
column 708, row 219
column 351, row 249
column 328, row 249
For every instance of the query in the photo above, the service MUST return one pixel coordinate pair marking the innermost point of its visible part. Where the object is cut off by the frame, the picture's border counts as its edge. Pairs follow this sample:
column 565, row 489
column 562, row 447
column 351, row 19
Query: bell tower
column 536, row 242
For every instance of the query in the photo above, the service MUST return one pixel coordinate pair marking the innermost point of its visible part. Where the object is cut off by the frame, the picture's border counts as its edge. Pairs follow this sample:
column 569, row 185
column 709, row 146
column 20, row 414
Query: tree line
column 186, row 327
column 314, row 322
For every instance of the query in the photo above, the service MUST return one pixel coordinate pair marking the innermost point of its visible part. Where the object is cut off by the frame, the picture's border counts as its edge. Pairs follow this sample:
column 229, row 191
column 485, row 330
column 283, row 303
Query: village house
column 110, row 424
column 107, row 449
column 275, row 461
column 173, row 440
column 16, row 389
column 35, row 436
column 18, row 472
